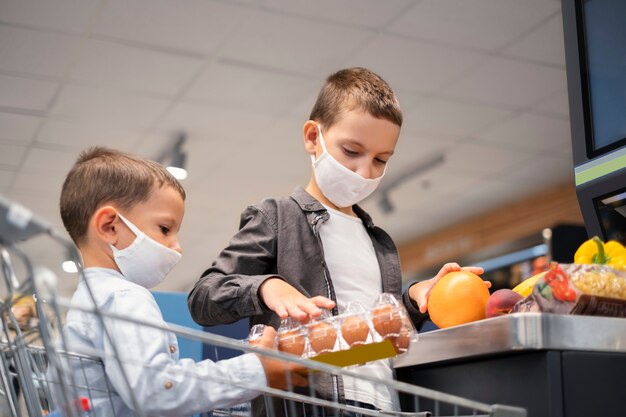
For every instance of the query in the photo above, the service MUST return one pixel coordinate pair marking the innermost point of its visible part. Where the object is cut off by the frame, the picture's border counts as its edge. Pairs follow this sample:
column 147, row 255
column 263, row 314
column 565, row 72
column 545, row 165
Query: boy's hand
column 280, row 374
column 286, row 301
column 420, row 291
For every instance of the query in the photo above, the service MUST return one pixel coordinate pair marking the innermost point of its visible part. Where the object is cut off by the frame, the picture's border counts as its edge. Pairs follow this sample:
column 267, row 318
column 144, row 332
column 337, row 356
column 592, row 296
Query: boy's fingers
column 487, row 284
column 451, row 266
column 423, row 306
column 296, row 312
column 447, row 268
column 281, row 311
column 323, row 302
column 474, row 269
column 310, row 309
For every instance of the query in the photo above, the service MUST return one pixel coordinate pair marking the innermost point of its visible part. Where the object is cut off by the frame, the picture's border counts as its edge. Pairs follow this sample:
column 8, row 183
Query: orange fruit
column 457, row 298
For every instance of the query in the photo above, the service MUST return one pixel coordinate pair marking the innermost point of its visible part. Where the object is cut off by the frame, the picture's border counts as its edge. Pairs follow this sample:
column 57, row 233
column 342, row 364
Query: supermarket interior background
column 482, row 85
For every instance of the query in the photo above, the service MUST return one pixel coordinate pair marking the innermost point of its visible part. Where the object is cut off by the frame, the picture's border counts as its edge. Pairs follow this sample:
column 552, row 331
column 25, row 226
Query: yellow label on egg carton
column 358, row 355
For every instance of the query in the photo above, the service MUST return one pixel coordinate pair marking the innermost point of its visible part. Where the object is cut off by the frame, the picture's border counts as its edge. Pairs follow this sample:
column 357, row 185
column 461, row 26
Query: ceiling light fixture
column 69, row 267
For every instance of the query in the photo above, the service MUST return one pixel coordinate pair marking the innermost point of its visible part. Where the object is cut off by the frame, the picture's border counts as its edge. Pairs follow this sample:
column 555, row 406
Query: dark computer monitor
column 595, row 50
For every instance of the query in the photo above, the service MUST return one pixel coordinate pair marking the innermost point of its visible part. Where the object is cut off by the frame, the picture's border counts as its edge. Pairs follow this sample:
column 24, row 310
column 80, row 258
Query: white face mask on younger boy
column 145, row 262
column 340, row 185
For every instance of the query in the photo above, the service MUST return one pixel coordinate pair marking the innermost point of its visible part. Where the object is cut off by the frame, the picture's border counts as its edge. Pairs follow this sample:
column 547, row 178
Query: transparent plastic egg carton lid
column 356, row 336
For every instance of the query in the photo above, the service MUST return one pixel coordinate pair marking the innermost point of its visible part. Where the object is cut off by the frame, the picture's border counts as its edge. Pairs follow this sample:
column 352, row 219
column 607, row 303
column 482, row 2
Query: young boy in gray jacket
column 317, row 248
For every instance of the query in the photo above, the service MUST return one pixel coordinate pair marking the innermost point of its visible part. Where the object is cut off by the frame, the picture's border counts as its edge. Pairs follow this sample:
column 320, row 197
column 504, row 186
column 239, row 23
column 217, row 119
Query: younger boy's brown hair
column 105, row 176
column 355, row 89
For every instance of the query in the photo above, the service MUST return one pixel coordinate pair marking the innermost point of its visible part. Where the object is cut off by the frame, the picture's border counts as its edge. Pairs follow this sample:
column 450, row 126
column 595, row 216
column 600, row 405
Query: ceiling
column 480, row 81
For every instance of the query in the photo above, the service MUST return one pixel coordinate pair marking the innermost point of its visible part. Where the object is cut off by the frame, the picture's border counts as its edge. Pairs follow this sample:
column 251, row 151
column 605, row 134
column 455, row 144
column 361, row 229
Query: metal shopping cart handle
column 17, row 223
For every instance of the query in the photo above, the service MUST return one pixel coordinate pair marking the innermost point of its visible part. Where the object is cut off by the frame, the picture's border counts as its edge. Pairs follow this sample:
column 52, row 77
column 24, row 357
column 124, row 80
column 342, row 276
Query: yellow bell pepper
column 594, row 251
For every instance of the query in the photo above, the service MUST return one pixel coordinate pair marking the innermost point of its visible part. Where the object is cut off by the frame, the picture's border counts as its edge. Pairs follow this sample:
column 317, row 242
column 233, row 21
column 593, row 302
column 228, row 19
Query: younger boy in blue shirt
column 124, row 214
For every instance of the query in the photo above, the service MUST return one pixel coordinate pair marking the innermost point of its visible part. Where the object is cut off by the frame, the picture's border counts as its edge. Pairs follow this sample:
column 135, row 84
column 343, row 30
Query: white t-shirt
column 354, row 270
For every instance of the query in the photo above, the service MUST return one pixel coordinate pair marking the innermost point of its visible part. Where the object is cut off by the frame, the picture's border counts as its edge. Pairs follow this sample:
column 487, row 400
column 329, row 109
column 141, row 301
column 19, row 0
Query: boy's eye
column 350, row 152
column 380, row 161
column 165, row 230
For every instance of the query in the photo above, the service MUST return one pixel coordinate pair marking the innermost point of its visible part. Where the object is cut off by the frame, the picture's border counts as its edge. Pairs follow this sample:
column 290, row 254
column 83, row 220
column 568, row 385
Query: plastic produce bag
column 578, row 289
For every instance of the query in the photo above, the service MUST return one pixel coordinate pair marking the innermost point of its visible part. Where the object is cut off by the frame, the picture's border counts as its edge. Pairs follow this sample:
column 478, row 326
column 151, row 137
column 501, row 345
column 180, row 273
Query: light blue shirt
column 163, row 384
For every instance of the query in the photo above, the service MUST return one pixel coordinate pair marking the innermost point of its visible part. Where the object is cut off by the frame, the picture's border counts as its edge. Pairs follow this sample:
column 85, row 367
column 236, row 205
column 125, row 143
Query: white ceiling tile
column 44, row 161
column 135, row 69
column 232, row 85
column 293, row 44
column 78, row 136
column 11, row 155
column 543, row 44
column 415, row 150
column 420, row 189
column 354, row 12
column 25, row 93
column 509, row 83
column 64, row 15
column 218, row 122
column 413, row 65
column 492, row 193
column 530, row 132
column 281, row 147
column 154, row 144
column 17, row 127
column 558, row 104
column 40, row 182
column 565, row 151
column 544, row 171
column 445, row 116
column 107, row 107
column 35, row 52
column 197, row 25
column 484, row 24
column 6, row 176
column 280, row 53
column 430, row 212
column 409, row 100
column 475, row 158
column 302, row 109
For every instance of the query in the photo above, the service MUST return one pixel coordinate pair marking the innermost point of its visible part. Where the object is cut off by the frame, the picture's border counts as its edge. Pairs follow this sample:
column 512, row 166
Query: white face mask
column 340, row 185
column 145, row 262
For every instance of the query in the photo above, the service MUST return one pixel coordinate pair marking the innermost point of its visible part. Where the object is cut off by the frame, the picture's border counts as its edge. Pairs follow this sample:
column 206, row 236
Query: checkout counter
column 556, row 365
column 552, row 365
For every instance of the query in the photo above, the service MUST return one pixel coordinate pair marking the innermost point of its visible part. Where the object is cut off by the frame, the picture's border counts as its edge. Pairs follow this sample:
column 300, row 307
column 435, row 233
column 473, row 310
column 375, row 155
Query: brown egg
column 354, row 330
column 292, row 342
column 402, row 341
column 322, row 337
column 386, row 320
column 254, row 342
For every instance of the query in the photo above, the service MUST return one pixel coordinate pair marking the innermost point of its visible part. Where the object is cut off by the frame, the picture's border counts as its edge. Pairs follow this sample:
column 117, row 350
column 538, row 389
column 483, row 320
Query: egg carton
column 354, row 337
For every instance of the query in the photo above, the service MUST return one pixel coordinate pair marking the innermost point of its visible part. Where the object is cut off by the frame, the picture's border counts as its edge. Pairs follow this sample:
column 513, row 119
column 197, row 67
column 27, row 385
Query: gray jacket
column 280, row 237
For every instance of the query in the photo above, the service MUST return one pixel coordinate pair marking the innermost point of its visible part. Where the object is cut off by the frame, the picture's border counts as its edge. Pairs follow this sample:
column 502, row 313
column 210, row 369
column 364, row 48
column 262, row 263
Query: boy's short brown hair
column 105, row 176
column 355, row 89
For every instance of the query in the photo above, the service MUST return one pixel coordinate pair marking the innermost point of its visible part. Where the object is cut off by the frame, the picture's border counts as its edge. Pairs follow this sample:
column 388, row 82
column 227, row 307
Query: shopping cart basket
column 38, row 379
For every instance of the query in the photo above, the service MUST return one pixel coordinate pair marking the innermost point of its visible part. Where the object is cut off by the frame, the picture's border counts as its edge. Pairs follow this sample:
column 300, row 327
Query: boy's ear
column 310, row 136
column 106, row 224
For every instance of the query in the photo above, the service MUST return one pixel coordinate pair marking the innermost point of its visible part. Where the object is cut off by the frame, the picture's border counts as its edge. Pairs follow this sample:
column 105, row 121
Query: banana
column 525, row 287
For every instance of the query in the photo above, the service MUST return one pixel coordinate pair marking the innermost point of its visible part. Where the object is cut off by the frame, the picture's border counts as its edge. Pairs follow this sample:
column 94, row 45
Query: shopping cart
column 38, row 372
